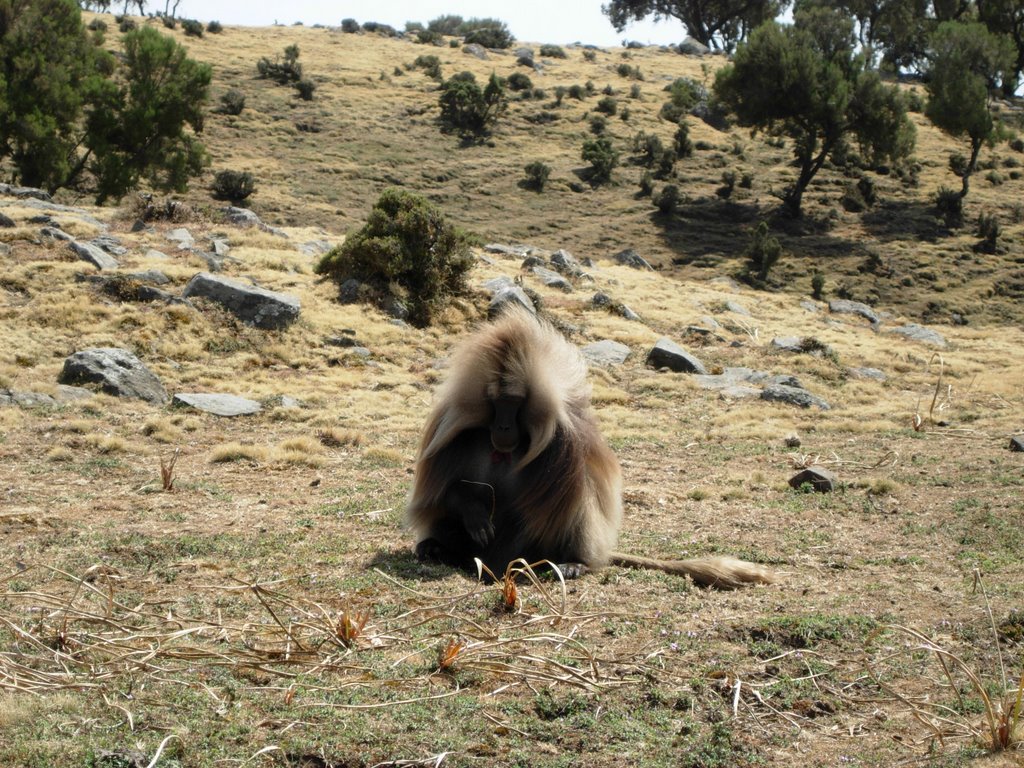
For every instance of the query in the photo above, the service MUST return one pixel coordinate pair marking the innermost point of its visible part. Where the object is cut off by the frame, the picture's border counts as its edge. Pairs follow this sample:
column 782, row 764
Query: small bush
column 97, row 25
column 283, row 73
column 518, row 81
column 763, row 251
column 589, row 55
column 490, row 33
column 817, row 285
column 169, row 22
column 406, row 250
column 915, row 102
column 1017, row 145
column 233, row 185
column 728, row 185
column 232, row 102
column 430, row 64
column 608, row 90
column 995, row 178
column 305, row 88
column 577, row 92
column 192, row 27
column 214, row 27
column 447, row 24
column 125, row 24
column 635, row 91
column 684, row 95
column 747, row 181
column 682, row 143
column 351, row 26
column 377, row 28
column 552, row 51
column 537, row 174
column 603, row 158
column 607, row 106
column 466, row 108
column 666, row 168
column 949, row 204
column 668, row 198
column 589, row 85
column 649, row 147
column 598, row 124
column 646, row 184
column 427, row 37
column 989, row 231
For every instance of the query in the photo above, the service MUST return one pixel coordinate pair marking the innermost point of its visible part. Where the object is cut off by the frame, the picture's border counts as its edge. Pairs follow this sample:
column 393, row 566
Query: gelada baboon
column 512, row 464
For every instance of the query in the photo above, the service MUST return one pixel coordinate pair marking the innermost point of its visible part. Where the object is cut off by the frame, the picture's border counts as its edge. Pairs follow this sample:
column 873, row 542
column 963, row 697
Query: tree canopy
column 718, row 24
column 805, row 81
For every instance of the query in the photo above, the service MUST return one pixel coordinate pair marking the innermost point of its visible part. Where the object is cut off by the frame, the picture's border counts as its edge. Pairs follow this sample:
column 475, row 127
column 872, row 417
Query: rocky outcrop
column 255, row 306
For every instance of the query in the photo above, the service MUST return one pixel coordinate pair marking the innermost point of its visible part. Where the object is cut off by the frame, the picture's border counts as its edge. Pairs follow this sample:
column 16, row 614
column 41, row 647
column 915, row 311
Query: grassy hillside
column 268, row 611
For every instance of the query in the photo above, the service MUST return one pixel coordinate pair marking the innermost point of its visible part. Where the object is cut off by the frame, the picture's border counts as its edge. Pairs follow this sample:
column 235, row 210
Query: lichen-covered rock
column 606, row 352
column 255, row 306
column 217, row 404
column 667, row 354
column 117, row 371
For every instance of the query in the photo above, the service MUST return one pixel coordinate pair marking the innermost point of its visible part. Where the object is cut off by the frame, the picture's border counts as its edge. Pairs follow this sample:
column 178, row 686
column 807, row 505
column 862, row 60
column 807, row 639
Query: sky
column 533, row 21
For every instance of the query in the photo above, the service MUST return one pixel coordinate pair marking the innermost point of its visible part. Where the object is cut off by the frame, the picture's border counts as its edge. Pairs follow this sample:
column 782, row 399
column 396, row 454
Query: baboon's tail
column 718, row 572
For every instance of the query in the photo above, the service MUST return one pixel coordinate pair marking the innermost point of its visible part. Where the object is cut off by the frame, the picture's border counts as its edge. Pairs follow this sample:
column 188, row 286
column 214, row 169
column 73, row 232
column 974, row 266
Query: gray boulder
column 24, row 192
column 819, row 478
column 255, row 306
column 509, row 295
column 782, row 393
column 218, row 405
column 514, row 251
column 10, row 397
column 552, row 279
column 182, row 237
column 57, row 234
column 606, row 352
column 94, row 255
column 242, row 217
column 476, row 50
column 847, row 307
column 1017, row 443
column 667, row 354
column 691, row 47
column 874, row 374
column 7, row 222
column 919, row 333
column 631, row 258
column 736, row 308
column 117, row 371
column 110, row 244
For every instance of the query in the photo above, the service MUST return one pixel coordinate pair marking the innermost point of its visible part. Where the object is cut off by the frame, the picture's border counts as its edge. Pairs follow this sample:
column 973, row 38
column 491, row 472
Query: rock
column 724, row 281
column 149, row 293
column 10, row 397
column 110, row 244
column 601, row 300
column 117, row 371
column 739, row 392
column 255, row 306
column 819, row 478
column 282, row 401
column 691, row 47
column 396, row 308
column 220, row 247
column 736, row 308
column 218, row 405
column 792, row 441
column 152, row 253
column 524, row 56
column 552, row 279
column 12, row 191
column 515, row 251
column 787, row 343
column 499, row 283
column 867, row 373
column 793, row 396
column 57, row 234
column 730, row 377
column 606, row 352
column 348, row 292
column 919, row 333
column 476, row 50
column 628, row 313
column 315, row 247
column 1017, row 443
column 151, row 276
column 7, row 222
column 782, row 379
column 138, row 225
column 801, row 344
column 810, row 306
column 631, row 258
column 667, row 354
column 241, row 217
column 562, row 258
column 513, row 294
column 69, row 394
column 182, row 237
column 847, row 307
column 94, row 255
column 345, row 342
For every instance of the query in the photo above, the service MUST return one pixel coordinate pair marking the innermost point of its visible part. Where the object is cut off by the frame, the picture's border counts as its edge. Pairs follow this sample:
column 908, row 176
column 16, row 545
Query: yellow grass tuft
column 238, row 452
column 337, row 438
column 60, row 453
column 105, row 443
column 162, row 429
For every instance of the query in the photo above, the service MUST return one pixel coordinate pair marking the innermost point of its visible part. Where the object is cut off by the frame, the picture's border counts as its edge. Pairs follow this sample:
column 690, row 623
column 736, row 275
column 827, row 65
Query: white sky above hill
column 534, row 21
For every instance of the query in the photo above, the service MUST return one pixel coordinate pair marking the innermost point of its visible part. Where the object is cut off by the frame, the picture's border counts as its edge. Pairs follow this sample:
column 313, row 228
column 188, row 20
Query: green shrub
column 666, row 167
column 949, row 204
column 351, row 26
column 126, row 24
column 537, row 175
column 684, row 95
column 607, row 106
column 377, row 28
column 763, row 251
column 817, row 285
column 577, row 92
column 649, row 147
column 989, row 231
column 1017, row 145
column 214, row 27
column 430, row 64
column 169, row 22
column 233, row 185
column 518, row 81
column 428, row 37
column 598, row 124
column 552, row 51
column 283, row 73
column 646, row 184
column 466, row 108
column 192, row 27
column 589, row 55
column 603, row 158
column 406, row 249
column 668, row 198
column 993, row 177
column 728, row 185
column 447, row 24
column 232, row 102
column 305, row 88
column 682, row 143
column 635, row 91
column 97, row 25
column 490, row 33
column 747, row 180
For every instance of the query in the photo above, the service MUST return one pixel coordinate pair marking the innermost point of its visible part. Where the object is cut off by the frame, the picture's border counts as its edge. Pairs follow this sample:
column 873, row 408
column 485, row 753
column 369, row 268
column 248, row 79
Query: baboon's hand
column 430, row 549
column 478, row 525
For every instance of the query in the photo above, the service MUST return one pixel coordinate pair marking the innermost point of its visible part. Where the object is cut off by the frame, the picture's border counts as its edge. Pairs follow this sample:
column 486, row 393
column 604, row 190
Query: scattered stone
column 218, row 405
column 138, row 225
column 152, row 276
column 524, row 56
column 315, row 247
column 798, row 396
column 819, row 478
column 499, row 283
column 220, row 247
column 667, row 354
column 57, row 234
column 601, row 300
column 241, row 217
column 691, row 47
column 7, row 222
column 787, row 343
column 782, row 379
column 606, row 352
column 552, row 279
column 810, row 306
column 628, row 313
column 110, row 244
column 117, row 371
column 739, row 392
column 182, row 237
column 515, row 251
column 149, row 293
column 348, row 292
column 915, row 332
column 255, row 306
column 513, row 294
column 867, row 373
column 282, row 401
column 562, row 258
column 847, row 307
column 476, row 50
column 345, row 342
column 153, row 253
column 396, row 308
column 631, row 258
column 736, row 308
column 94, row 255
column 801, row 345
column 13, row 191
column 10, row 397
column 1017, row 443
column 730, row 377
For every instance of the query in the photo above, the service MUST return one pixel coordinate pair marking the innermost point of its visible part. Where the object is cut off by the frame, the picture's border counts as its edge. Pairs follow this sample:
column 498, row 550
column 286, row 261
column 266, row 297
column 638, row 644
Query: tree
column 967, row 61
column 805, row 81
column 140, row 132
column 718, row 24
column 49, row 71
column 468, row 109
column 71, row 116
column 1006, row 17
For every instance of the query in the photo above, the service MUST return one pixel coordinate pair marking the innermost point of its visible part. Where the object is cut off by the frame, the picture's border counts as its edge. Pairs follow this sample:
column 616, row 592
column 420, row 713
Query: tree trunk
column 972, row 164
